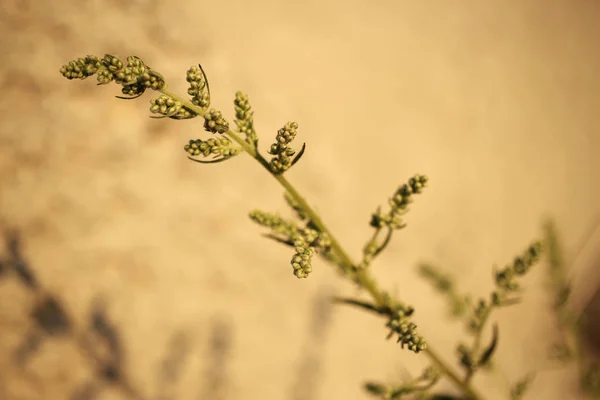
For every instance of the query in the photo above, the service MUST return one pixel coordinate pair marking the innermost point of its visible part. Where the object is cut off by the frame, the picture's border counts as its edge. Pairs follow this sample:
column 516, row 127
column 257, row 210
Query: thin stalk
column 453, row 376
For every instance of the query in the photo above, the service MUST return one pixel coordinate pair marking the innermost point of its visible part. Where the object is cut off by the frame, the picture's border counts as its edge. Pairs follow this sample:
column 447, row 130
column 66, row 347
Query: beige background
column 496, row 101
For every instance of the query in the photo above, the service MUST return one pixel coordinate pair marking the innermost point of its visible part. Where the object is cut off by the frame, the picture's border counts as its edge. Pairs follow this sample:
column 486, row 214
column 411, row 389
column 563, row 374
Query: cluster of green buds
column 398, row 319
column 134, row 75
column 282, row 160
column 391, row 220
column 506, row 279
column 198, row 89
column 306, row 240
column 301, row 261
column 200, row 93
column 399, row 204
column 474, row 357
column 244, row 118
column 400, row 324
column 167, row 107
column 506, row 283
column 221, row 148
column 214, row 122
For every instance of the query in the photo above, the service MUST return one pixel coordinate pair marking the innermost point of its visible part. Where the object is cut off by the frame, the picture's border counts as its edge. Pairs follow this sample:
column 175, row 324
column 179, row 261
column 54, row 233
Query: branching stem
column 363, row 276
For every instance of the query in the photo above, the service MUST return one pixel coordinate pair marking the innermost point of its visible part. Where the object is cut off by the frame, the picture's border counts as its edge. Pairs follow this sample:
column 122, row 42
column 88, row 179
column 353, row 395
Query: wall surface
column 497, row 102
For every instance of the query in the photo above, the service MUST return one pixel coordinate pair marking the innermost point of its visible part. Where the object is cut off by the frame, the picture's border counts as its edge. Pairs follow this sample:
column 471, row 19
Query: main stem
column 364, row 277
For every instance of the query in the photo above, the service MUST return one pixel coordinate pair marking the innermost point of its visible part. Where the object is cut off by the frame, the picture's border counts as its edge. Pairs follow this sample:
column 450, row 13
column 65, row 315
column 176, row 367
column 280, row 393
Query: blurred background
column 116, row 232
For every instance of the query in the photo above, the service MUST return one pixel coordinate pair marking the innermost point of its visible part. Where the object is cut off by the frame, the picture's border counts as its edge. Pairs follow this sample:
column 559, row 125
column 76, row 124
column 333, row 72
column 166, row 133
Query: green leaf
column 487, row 354
column 361, row 304
column 217, row 160
column 375, row 388
column 287, row 242
column 520, row 388
column 297, row 158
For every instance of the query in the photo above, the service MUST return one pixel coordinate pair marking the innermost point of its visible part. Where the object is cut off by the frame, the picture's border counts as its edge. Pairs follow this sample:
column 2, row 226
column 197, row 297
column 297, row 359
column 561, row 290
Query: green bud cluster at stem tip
column 406, row 330
column 473, row 357
column 399, row 203
column 392, row 220
column 199, row 89
column 166, row 106
column 301, row 261
column 244, row 118
column 220, row 148
column 281, row 150
column 134, row 76
column 214, row 122
column 306, row 241
column 506, row 278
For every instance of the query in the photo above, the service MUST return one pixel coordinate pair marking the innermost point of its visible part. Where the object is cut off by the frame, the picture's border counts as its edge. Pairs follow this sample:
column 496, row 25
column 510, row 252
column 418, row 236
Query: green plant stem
column 453, row 376
column 363, row 276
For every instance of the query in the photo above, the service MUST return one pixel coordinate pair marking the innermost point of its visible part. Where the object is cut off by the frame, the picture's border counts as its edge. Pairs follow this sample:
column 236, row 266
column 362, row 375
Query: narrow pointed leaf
column 360, row 304
column 297, row 158
column 489, row 352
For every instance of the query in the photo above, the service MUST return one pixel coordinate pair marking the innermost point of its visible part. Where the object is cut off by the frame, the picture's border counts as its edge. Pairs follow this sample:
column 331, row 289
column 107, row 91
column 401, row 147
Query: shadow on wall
column 96, row 339
column 99, row 342
column 306, row 383
column 591, row 318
